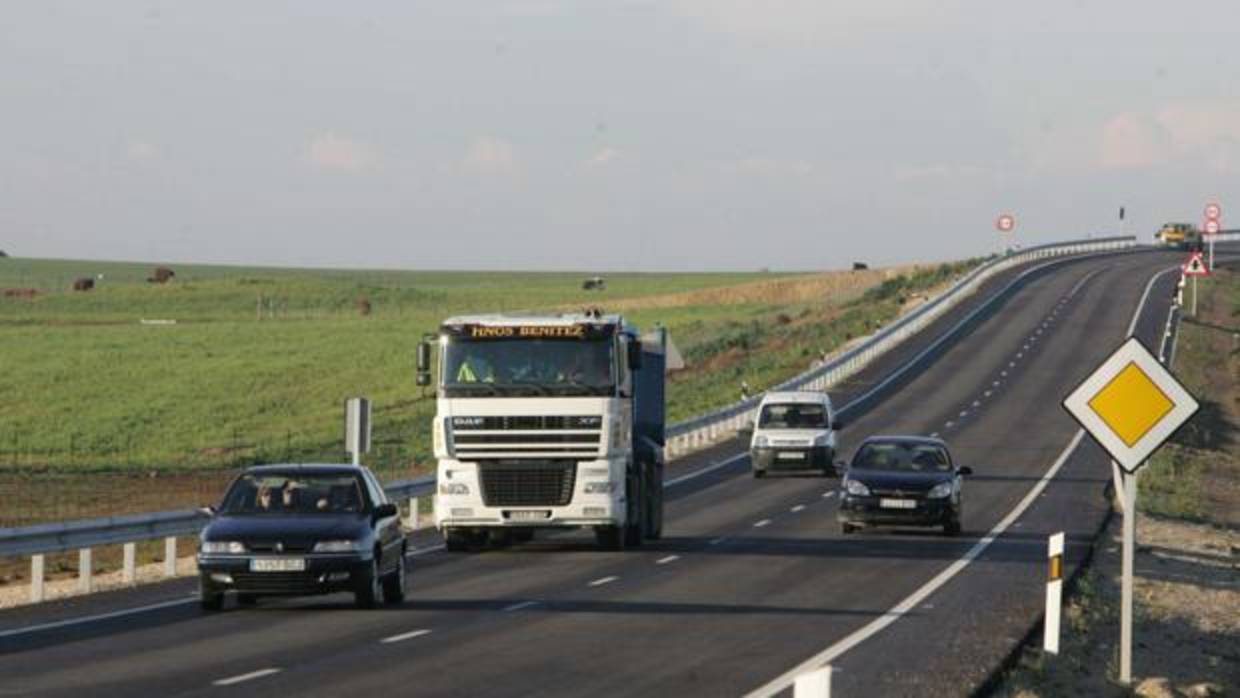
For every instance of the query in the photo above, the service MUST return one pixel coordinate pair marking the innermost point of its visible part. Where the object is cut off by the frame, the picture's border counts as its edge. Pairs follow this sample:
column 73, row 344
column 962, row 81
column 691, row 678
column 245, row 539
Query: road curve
column 752, row 581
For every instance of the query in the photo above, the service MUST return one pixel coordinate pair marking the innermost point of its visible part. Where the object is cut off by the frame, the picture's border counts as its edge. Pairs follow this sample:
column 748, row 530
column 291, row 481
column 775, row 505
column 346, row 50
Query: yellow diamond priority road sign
column 1131, row 404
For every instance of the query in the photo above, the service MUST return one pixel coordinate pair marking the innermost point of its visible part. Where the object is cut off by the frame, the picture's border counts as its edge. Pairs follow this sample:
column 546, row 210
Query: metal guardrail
column 682, row 437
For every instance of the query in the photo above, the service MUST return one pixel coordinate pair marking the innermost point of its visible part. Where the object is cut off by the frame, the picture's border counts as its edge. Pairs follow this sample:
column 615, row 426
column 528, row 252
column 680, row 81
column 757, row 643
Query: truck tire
column 635, row 506
column 654, row 504
column 609, row 537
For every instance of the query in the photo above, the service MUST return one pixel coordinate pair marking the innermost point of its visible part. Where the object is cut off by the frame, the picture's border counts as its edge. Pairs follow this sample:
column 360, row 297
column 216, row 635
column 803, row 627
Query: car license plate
column 278, row 564
column 898, row 503
column 791, row 455
column 528, row 515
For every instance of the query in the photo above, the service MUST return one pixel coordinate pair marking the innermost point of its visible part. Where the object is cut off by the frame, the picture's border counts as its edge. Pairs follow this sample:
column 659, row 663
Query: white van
column 794, row 431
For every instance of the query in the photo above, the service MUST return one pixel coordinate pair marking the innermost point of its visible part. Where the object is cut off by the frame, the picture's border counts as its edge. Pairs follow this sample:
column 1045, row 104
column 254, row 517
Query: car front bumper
column 870, row 510
column 790, row 458
column 323, row 574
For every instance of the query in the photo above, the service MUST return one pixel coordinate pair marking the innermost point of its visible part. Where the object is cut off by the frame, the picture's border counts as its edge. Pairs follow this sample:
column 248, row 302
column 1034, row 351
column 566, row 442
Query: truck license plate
column 898, row 503
column 278, row 564
column 791, row 455
column 528, row 515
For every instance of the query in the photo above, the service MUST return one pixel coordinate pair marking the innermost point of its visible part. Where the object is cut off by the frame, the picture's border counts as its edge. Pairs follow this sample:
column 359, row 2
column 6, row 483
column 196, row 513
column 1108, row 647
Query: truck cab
column 547, row 421
column 794, row 432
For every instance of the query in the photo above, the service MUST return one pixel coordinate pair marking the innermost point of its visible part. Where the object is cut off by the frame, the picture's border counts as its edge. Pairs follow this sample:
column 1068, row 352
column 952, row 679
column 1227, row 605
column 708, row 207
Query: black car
column 902, row 481
column 299, row 530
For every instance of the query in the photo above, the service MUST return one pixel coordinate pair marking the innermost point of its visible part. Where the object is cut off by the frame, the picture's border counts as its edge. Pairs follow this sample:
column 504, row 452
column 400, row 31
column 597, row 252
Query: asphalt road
column 752, row 581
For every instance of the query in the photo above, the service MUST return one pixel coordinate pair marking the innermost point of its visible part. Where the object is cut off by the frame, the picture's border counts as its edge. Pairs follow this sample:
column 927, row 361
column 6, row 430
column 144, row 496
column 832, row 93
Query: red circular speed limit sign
column 1213, row 211
column 1005, row 223
column 1212, row 227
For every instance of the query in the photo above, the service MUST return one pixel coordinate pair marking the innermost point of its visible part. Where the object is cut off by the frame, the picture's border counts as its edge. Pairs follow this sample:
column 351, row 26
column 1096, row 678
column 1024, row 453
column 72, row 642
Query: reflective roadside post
column 1130, row 405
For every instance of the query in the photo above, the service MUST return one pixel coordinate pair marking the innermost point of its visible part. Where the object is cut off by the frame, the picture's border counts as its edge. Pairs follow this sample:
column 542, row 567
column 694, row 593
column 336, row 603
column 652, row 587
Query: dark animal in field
column 363, row 306
column 162, row 276
column 26, row 293
column 3, row 254
column 596, row 283
column 860, row 266
column 84, row 284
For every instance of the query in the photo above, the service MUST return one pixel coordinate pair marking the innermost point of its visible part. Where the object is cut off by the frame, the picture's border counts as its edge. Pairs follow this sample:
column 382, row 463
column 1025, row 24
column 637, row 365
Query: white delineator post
column 813, row 684
column 1125, row 622
column 170, row 556
column 36, row 578
column 1054, row 593
column 85, row 571
column 130, row 556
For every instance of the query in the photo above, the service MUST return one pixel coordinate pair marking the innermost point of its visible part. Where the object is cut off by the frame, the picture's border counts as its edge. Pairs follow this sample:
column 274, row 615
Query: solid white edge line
column 520, row 606
column 246, row 677
column 404, row 636
column 603, row 580
column 99, row 617
column 763, row 522
column 828, row 655
column 708, row 469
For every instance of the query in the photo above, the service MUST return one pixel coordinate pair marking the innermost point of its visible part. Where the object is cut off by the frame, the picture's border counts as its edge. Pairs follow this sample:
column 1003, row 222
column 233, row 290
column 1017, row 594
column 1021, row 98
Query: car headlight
column 820, row 440
column 453, row 488
column 761, row 442
column 600, row 487
column 941, row 490
column 337, row 546
column 856, row 488
column 222, row 546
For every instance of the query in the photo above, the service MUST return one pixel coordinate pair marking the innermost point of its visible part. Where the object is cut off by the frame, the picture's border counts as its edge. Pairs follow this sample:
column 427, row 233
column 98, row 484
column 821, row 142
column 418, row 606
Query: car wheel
column 368, row 590
column 952, row 527
column 394, row 585
column 209, row 599
column 247, row 599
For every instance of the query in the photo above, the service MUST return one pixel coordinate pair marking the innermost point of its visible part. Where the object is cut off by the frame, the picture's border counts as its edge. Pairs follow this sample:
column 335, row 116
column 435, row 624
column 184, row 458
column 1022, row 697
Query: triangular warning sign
column 1195, row 266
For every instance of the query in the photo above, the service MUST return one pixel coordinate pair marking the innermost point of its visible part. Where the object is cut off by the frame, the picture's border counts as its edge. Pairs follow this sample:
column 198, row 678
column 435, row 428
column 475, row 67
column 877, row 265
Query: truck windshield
column 528, row 367
column 803, row 415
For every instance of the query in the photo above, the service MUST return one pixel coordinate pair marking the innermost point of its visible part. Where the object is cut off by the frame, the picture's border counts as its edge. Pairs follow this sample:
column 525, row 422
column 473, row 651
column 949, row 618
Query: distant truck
column 547, row 421
column 1183, row 236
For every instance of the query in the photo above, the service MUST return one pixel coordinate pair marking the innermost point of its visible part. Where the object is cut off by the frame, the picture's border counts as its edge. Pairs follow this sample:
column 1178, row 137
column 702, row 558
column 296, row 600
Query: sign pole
column 1194, row 296
column 1211, row 253
column 1130, row 534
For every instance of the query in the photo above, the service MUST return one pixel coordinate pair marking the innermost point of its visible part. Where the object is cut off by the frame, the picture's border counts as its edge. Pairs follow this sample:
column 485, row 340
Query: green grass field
column 260, row 360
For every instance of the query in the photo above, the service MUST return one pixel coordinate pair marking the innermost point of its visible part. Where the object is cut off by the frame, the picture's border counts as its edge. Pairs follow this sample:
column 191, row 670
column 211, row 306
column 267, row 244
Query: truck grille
column 527, row 483
column 536, row 436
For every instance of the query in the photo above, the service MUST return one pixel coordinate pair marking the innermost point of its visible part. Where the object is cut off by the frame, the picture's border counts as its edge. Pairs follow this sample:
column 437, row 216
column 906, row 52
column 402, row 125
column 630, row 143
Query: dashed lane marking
column 246, row 677
column 665, row 560
column 520, row 606
column 603, row 580
column 407, row 636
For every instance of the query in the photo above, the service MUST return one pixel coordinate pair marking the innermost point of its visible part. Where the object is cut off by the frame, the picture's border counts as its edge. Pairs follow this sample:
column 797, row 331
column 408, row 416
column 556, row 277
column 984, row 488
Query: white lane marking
column 934, row 435
column 405, row 636
column 101, row 616
column 987, row 393
column 602, row 580
column 963, row 413
column 878, row 624
column 246, row 677
column 665, row 560
column 705, row 470
column 717, row 541
column 763, row 522
column 828, row 493
column 1003, row 374
column 1019, row 354
column 1011, row 364
column 799, row 507
column 1136, row 317
column 917, row 597
column 976, row 403
column 520, row 606
column 949, row 424
column 422, row 551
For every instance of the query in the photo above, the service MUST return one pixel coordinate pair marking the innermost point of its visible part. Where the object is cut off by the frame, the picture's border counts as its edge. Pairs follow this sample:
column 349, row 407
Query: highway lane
column 739, row 604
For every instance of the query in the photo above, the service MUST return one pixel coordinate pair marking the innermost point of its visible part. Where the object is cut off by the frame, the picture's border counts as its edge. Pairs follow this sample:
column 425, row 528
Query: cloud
column 489, row 156
column 812, row 19
column 331, row 152
column 142, row 151
column 768, row 167
column 941, row 171
column 1132, row 141
column 604, row 156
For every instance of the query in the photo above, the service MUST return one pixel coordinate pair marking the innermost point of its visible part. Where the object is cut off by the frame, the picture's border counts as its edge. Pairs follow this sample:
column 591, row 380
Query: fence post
column 85, row 571
column 130, row 555
column 170, row 556
column 413, row 513
column 36, row 578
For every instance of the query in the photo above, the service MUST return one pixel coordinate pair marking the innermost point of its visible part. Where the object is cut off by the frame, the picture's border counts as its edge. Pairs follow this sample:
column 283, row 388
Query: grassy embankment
column 259, row 361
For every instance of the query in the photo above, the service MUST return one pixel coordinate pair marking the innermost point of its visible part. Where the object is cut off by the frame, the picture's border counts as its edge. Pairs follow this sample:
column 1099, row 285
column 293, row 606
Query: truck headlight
column 337, row 546
column 761, row 442
column 222, row 546
column 600, row 487
column 453, row 488
column 856, row 488
column 941, row 490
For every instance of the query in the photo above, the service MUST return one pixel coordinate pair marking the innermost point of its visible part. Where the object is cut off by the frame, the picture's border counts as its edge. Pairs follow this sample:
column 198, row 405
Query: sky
column 606, row 135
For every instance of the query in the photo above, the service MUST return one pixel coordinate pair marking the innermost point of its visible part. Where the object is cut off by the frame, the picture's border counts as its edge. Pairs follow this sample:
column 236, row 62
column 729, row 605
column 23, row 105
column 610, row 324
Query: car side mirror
column 964, row 470
column 838, row 424
column 208, row 510
column 384, row 511
column 424, row 363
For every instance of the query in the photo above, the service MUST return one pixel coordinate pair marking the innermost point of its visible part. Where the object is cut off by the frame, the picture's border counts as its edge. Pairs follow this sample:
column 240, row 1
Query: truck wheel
column 635, row 524
column 655, row 532
column 455, row 540
column 523, row 535
column 609, row 537
column 759, row 474
column 246, row 599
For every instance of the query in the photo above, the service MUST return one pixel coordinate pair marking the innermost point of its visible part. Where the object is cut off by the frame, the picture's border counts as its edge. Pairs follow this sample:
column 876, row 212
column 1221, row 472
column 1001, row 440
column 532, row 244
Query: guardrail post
column 413, row 514
column 130, row 556
column 170, row 556
column 85, row 571
column 36, row 578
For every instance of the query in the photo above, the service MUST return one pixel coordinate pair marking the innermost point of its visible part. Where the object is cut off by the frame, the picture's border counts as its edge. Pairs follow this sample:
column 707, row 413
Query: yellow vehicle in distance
column 1184, row 236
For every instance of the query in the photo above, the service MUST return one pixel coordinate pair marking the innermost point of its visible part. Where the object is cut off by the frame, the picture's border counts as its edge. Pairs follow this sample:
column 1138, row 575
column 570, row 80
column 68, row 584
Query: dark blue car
column 901, row 481
column 303, row 529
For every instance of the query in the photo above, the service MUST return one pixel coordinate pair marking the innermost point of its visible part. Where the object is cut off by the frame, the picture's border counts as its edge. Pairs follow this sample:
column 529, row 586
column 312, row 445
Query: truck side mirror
column 635, row 355
column 424, row 363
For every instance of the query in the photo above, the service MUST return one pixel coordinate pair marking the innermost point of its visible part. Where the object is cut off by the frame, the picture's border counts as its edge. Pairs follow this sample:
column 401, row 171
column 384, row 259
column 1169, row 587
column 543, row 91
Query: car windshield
column 795, row 415
column 294, row 493
column 905, row 457
column 529, row 367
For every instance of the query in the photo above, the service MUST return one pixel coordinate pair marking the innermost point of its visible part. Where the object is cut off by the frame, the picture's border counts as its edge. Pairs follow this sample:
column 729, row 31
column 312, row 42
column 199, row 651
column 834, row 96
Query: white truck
column 547, row 421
